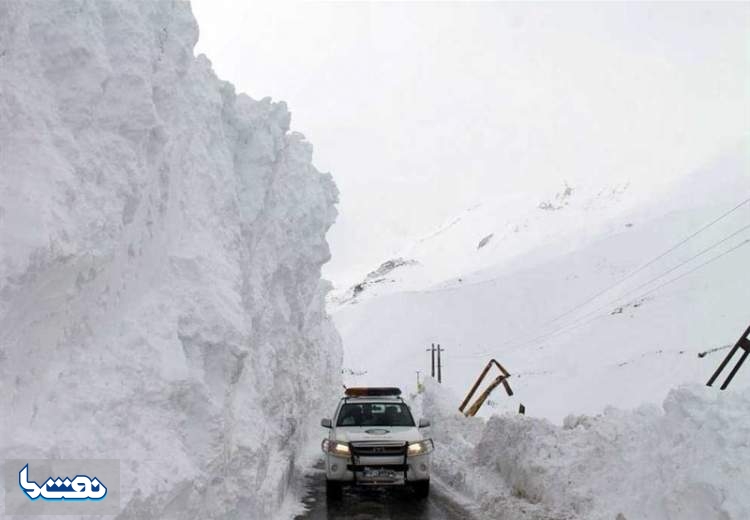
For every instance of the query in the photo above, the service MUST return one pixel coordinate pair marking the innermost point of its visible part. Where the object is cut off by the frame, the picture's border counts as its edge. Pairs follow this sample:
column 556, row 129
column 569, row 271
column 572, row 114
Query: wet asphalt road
column 376, row 504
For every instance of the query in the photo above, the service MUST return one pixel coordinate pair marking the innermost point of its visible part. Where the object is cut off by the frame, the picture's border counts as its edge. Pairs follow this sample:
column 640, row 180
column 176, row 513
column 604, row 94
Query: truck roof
column 373, row 391
column 373, row 399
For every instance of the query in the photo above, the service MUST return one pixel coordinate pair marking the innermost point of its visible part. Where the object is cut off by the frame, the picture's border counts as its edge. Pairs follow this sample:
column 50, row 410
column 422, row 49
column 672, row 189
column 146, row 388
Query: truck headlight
column 340, row 449
column 420, row 448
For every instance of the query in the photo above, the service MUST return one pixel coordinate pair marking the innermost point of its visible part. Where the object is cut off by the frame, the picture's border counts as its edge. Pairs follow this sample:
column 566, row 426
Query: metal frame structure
column 744, row 344
column 359, row 450
column 499, row 380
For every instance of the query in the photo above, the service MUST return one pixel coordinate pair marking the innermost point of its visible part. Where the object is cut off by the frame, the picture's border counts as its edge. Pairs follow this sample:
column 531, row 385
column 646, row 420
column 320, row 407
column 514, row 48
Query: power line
column 636, row 271
column 650, row 262
column 672, row 269
column 593, row 315
column 713, row 259
column 583, row 321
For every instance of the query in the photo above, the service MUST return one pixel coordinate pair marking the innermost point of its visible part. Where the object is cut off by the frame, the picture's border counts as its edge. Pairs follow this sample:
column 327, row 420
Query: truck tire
column 333, row 490
column 421, row 488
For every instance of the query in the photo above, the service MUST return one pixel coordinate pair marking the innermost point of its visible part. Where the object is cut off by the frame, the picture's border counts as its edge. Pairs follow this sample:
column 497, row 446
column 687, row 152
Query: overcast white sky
column 420, row 110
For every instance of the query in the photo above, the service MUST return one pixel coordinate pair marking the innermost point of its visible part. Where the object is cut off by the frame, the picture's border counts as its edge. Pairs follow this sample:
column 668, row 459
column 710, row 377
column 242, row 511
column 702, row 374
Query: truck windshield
column 375, row 414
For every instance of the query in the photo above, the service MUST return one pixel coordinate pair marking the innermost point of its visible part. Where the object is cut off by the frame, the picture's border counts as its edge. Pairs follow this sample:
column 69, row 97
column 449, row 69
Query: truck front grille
column 378, row 450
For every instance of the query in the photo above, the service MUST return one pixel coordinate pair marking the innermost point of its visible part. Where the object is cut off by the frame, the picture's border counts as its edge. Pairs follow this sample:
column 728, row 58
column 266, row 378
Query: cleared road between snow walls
column 377, row 504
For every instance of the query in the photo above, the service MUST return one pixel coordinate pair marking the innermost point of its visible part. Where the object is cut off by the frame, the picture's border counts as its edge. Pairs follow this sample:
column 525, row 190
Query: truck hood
column 378, row 433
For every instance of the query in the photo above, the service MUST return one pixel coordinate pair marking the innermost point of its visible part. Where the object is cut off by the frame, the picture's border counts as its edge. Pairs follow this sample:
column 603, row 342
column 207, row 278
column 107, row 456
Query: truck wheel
column 421, row 488
column 333, row 490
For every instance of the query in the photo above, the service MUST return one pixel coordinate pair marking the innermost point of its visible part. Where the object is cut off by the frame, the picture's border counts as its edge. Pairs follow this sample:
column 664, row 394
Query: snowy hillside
column 560, row 290
column 161, row 240
column 493, row 233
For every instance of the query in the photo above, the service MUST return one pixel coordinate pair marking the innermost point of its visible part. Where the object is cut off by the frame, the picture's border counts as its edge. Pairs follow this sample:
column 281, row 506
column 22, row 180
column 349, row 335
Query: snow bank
column 688, row 460
column 161, row 240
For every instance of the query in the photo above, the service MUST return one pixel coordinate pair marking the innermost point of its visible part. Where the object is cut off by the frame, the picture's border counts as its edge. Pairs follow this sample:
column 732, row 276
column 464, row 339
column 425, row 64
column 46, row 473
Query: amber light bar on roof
column 372, row 391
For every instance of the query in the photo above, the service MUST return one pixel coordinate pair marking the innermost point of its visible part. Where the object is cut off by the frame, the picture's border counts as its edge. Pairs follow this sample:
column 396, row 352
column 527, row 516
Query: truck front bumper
column 346, row 470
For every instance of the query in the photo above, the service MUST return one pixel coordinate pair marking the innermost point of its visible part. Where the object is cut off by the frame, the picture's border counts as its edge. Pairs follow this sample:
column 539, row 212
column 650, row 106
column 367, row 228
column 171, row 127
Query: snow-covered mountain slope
column 518, row 298
column 161, row 240
column 492, row 234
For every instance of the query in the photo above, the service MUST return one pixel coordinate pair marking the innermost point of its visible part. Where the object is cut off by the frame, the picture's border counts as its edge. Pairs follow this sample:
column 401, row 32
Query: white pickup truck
column 374, row 441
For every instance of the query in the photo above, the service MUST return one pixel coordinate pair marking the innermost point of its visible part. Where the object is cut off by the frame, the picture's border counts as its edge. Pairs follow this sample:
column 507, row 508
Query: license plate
column 380, row 474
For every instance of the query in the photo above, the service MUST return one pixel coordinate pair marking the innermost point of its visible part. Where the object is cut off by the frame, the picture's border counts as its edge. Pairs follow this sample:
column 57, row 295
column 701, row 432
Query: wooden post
column 744, row 344
column 503, row 379
column 432, row 370
column 439, row 364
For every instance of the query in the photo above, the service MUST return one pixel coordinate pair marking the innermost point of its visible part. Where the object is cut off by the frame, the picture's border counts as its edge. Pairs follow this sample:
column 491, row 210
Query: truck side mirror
column 326, row 423
column 424, row 423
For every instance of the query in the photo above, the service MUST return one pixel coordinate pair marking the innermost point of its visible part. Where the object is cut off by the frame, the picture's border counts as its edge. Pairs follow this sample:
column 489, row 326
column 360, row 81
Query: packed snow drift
column 686, row 460
column 161, row 240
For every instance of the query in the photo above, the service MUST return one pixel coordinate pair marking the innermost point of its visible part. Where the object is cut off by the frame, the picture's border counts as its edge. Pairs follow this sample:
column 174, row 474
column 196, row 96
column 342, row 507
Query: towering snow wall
column 161, row 240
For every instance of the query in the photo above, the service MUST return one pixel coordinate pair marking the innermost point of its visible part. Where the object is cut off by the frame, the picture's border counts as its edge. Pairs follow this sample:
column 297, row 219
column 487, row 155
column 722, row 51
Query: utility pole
column 439, row 364
column 419, row 383
column 432, row 349
column 744, row 344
